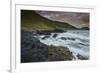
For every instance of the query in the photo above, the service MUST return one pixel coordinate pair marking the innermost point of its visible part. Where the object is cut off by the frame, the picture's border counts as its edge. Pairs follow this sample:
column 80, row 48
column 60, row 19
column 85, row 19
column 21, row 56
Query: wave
column 77, row 41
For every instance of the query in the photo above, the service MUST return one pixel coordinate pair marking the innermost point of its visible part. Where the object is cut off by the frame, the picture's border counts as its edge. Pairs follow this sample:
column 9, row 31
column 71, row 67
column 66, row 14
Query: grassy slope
column 32, row 20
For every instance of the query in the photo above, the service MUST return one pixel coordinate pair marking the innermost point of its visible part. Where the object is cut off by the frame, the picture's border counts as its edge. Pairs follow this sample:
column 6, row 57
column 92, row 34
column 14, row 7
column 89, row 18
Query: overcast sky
column 74, row 18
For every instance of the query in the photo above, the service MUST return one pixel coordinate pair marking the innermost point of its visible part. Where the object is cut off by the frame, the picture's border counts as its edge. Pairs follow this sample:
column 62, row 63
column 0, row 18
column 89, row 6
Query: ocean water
column 77, row 41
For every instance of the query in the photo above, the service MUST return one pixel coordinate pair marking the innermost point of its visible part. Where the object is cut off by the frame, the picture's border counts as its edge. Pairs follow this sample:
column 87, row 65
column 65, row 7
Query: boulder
column 55, row 35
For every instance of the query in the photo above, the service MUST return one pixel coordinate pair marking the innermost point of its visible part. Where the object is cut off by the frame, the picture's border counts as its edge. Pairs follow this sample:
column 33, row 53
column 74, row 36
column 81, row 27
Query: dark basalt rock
column 31, row 49
column 59, row 54
column 63, row 38
column 55, row 35
column 81, row 57
column 83, row 44
column 47, row 32
column 58, row 30
column 71, row 39
column 43, row 32
column 46, row 36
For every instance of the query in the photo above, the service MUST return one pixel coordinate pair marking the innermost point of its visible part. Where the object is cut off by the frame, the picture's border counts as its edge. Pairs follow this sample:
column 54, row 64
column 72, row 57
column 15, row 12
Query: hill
column 31, row 20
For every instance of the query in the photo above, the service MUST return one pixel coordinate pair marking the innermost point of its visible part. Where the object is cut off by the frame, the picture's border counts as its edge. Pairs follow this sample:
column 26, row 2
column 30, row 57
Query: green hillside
column 32, row 20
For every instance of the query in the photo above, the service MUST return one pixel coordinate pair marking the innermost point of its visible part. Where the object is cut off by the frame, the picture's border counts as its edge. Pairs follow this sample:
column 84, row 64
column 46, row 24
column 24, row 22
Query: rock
column 58, row 30
column 83, row 44
column 63, row 38
column 55, row 35
column 59, row 54
column 81, row 57
column 47, row 32
column 71, row 39
column 32, row 50
column 43, row 32
column 46, row 36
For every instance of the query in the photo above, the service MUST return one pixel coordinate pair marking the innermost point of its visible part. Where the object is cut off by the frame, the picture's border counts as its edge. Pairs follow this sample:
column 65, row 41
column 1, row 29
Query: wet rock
column 46, row 36
column 32, row 50
column 43, row 32
column 55, row 35
column 59, row 54
column 58, row 30
column 71, row 39
column 83, row 44
column 82, row 57
column 63, row 38
column 47, row 32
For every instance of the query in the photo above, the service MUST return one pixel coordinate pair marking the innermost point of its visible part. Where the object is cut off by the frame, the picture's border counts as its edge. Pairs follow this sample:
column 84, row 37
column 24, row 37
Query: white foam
column 74, row 45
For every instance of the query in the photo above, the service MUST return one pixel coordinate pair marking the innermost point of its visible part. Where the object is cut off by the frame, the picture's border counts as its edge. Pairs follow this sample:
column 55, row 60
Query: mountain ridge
column 32, row 20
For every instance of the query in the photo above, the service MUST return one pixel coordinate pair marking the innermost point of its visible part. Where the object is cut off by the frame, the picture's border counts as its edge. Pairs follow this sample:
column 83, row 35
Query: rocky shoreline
column 32, row 50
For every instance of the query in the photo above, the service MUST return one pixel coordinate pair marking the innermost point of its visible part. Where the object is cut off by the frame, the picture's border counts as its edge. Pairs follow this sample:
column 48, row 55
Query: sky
column 76, row 19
